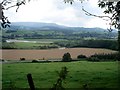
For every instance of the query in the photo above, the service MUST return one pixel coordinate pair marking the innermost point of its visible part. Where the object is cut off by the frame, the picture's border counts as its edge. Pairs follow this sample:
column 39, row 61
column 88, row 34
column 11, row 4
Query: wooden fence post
column 30, row 81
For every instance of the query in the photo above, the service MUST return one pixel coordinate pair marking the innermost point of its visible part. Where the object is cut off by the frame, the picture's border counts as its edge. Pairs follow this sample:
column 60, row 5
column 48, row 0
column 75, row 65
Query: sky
column 56, row 11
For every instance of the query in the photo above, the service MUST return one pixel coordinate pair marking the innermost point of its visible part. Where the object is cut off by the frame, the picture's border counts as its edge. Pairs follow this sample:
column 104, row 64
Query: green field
column 45, row 40
column 32, row 44
column 94, row 74
column 0, row 75
column 29, row 45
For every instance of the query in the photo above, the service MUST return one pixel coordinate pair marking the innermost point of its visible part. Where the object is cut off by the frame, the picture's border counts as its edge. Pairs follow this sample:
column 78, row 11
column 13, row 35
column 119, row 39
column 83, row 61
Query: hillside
column 51, row 26
column 55, row 36
column 52, row 30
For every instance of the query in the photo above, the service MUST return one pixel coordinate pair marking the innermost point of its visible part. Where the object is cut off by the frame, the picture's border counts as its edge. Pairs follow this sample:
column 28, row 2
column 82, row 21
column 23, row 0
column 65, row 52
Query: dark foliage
column 7, row 4
column 114, row 9
column 34, row 61
column 22, row 59
column 103, row 57
column 62, row 76
column 81, row 56
column 93, row 59
column 108, row 44
column 66, row 57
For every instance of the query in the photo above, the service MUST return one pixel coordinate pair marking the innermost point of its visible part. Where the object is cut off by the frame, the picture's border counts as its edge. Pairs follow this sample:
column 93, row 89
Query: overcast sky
column 56, row 11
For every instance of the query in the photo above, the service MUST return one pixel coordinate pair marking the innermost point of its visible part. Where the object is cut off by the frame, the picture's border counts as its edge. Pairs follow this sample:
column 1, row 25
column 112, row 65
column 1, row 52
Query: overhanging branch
column 90, row 14
column 106, row 18
column 4, row 6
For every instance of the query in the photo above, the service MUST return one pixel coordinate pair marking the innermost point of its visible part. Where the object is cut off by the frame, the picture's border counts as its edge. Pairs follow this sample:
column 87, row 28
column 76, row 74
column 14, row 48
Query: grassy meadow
column 94, row 74
column 0, row 75
column 32, row 44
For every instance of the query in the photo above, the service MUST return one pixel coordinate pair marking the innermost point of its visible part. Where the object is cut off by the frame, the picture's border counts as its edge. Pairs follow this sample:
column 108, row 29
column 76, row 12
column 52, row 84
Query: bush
column 66, row 57
column 34, row 61
column 22, row 59
column 81, row 56
column 61, row 78
column 2, row 60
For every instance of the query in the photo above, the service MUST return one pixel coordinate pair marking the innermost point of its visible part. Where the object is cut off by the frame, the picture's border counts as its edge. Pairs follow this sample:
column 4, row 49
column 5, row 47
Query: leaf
column 106, row 11
column 102, row 4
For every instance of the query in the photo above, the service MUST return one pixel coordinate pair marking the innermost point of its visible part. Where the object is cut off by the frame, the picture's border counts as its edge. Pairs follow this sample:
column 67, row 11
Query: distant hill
column 35, row 26
column 51, row 26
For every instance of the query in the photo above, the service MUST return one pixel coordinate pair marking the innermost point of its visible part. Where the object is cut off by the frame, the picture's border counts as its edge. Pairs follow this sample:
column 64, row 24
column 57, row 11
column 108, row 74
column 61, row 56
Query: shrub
column 66, row 57
column 61, row 77
column 22, row 59
column 2, row 60
column 34, row 61
column 106, row 56
column 81, row 56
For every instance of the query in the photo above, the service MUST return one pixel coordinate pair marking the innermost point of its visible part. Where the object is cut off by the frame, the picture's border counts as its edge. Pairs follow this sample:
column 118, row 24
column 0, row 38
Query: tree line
column 94, row 58
column 108, row 44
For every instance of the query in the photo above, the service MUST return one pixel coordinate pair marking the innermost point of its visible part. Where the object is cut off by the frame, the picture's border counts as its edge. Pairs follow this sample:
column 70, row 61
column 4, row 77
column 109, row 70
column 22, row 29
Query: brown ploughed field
column 49, row 54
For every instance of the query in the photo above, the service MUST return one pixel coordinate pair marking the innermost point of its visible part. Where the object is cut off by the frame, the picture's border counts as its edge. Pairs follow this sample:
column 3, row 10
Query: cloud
column 110, row 0
column 97, row 22
column 56, row 11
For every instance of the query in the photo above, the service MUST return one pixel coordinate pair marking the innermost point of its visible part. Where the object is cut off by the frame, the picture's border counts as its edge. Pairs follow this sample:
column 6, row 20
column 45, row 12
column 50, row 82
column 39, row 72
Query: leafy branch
column 62, row 76
column 112, row 8
column 106, row 18
column 3, row 6
column 90, row 14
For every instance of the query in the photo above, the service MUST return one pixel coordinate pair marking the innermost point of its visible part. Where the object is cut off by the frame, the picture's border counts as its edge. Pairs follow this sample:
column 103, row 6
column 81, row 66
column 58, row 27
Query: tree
column 112, row 7
column 7, row 4
column 66, row 57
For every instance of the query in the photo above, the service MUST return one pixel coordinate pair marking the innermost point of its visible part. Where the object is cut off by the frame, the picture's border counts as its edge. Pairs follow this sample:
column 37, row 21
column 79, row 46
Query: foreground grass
column 94, row 74
column 0, row 76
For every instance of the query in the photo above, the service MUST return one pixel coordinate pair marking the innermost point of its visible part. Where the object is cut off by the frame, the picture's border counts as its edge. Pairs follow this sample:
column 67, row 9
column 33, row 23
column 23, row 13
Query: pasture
column 30, row 44
column 94, row 74
column 15, row 54
column 0, row 75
